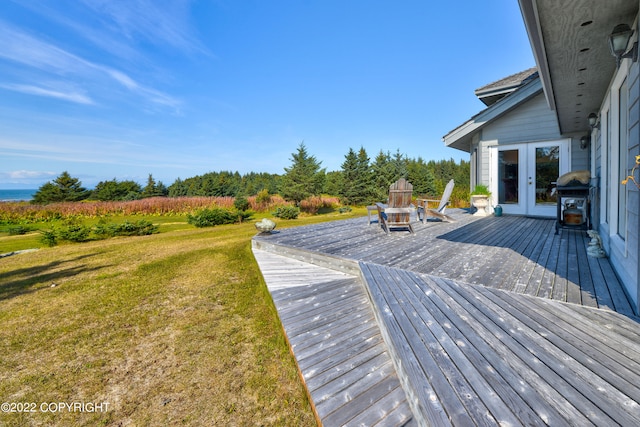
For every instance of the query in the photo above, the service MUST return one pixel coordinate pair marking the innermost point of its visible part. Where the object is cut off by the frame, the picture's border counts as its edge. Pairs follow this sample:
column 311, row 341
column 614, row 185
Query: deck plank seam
column 543, row 379
column 511, row 388
column 570, row 374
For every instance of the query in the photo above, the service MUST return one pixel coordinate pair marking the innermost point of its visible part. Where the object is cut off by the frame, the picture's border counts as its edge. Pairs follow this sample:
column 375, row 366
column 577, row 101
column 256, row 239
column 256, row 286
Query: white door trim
column 526, row 168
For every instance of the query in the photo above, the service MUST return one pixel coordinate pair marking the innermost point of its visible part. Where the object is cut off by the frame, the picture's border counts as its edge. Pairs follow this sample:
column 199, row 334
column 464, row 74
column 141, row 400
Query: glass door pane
column 508, row 167
column 547, row 171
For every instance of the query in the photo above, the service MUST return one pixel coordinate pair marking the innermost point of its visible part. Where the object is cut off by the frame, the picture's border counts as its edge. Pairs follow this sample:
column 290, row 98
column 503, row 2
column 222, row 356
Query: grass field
column 175, row 328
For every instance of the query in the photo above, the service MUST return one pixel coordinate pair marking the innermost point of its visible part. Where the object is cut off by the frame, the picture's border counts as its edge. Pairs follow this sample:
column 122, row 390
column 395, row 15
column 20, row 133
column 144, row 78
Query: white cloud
column 52, row 93
column 26, row 175
column 25, row 178
column 155, row 21
column 152, row 95
column 121, row 78
column 22, row 48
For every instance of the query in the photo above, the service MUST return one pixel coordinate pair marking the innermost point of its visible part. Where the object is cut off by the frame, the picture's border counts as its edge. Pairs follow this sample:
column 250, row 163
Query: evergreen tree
column 303, row 178
column 64, row 188
column 153, row 189
column 462, row 174
column 421, row 177
column 356, row 173
column 333, row 183
column 399, row 166
column 114, row 190
column 349, row 174
column 179, row 188
column 161, row 189
column 105, row 190
column 444, row 170
column 364, row 178
column 129, row 190
column 383, row 175
column 227, row 184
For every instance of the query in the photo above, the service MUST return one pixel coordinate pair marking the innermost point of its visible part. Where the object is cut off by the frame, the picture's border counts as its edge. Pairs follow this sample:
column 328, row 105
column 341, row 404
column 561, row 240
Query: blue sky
column 122, row 89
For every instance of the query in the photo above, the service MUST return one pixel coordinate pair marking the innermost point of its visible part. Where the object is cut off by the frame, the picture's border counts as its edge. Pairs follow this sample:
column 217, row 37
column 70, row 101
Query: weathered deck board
column 620, row 301
column 617, row 374
column 336, row 341
column 587, row 287
column 429, row 411
column 583, row 375
column 508, row 406
column 513, row 253
column 511, row 351
column 506, row 357
column 505, row 354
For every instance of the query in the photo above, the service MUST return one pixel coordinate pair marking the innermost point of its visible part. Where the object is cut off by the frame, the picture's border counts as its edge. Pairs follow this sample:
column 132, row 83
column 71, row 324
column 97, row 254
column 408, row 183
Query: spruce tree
column 64, row 188
column 365, row 184
column 303, row 178
column 333, row 183
column 357, row 183
column 153, row 189
column 421, row 177
column 114, row 190
column 349, row 178
column 399, row 166
column 383, row 175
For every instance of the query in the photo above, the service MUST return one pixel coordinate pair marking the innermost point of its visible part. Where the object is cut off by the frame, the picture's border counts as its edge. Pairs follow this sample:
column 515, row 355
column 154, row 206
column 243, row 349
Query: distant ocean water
column 16, row 195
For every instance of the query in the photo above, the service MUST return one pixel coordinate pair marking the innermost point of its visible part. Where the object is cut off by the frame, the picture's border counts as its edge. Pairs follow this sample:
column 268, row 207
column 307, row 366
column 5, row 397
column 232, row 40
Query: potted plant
column 480, row 199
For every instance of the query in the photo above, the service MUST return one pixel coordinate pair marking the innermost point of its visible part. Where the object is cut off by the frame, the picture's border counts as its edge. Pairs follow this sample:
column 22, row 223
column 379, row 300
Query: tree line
column 360, row 181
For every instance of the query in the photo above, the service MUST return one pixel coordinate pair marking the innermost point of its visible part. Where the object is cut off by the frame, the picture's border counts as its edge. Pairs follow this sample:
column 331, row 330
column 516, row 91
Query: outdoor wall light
column 593, row 121
column 584, row 142
column 618, row 42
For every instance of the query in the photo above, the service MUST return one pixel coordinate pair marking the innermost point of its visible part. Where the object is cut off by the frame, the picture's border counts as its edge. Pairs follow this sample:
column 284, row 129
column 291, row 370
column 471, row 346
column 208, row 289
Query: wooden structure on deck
column 487, row 321
column 397, row 213
column 424, row 211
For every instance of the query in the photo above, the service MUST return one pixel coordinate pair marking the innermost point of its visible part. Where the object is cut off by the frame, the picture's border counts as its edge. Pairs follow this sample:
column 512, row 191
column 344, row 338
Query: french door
column 522, row 176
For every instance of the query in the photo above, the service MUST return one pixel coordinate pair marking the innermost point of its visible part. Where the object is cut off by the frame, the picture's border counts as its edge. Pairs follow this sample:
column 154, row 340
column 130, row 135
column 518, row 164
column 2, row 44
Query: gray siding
column 624, row 253
column 531, row 121
column 626, row 264
column 596, row 181
column 579, row 157
column 633, row 204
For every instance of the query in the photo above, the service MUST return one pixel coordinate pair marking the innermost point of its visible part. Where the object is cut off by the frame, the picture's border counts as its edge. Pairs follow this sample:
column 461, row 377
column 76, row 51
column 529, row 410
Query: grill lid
column 581, row 177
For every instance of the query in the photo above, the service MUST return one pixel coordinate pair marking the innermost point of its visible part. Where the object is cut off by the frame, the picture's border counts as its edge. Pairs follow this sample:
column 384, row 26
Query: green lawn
column 175, row 328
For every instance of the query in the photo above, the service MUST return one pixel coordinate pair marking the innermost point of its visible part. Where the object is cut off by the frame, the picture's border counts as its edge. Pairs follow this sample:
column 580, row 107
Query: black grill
column 573, row 206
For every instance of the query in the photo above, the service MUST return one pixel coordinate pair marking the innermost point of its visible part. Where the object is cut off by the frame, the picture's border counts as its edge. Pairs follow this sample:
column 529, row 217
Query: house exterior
column 541, row 126
column 516, row 146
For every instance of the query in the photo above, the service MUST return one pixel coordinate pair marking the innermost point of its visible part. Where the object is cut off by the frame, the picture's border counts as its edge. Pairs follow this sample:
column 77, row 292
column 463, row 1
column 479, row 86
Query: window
column 623, row 151
column 606, row 136
column 508, row 174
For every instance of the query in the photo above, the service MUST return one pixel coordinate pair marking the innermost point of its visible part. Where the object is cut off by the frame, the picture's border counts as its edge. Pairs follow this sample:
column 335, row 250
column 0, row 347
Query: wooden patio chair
column 397, row 214
column 423, row 206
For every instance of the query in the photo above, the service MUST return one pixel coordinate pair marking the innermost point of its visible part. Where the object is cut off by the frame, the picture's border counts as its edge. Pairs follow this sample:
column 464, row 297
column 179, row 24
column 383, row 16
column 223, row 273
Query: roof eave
column 532, row 24
column 460, row 138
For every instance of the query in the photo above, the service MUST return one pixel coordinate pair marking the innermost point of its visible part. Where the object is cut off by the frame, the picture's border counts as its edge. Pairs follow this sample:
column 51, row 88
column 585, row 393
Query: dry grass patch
column 171, row 329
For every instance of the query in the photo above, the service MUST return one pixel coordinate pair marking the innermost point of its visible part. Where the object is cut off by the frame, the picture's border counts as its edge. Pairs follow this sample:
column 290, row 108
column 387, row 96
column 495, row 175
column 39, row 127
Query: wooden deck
column 472, row 355
column 512, row 253
column 337, row 343
column 473, row 315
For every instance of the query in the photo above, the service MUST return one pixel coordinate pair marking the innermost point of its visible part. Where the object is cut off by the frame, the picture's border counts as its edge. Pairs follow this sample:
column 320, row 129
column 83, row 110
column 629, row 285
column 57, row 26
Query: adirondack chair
column 423, row 206
column 397, row 214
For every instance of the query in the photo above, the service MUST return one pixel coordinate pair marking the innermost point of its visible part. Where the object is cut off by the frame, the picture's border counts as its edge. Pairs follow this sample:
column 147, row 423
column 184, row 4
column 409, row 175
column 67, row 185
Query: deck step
column 333, row 334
